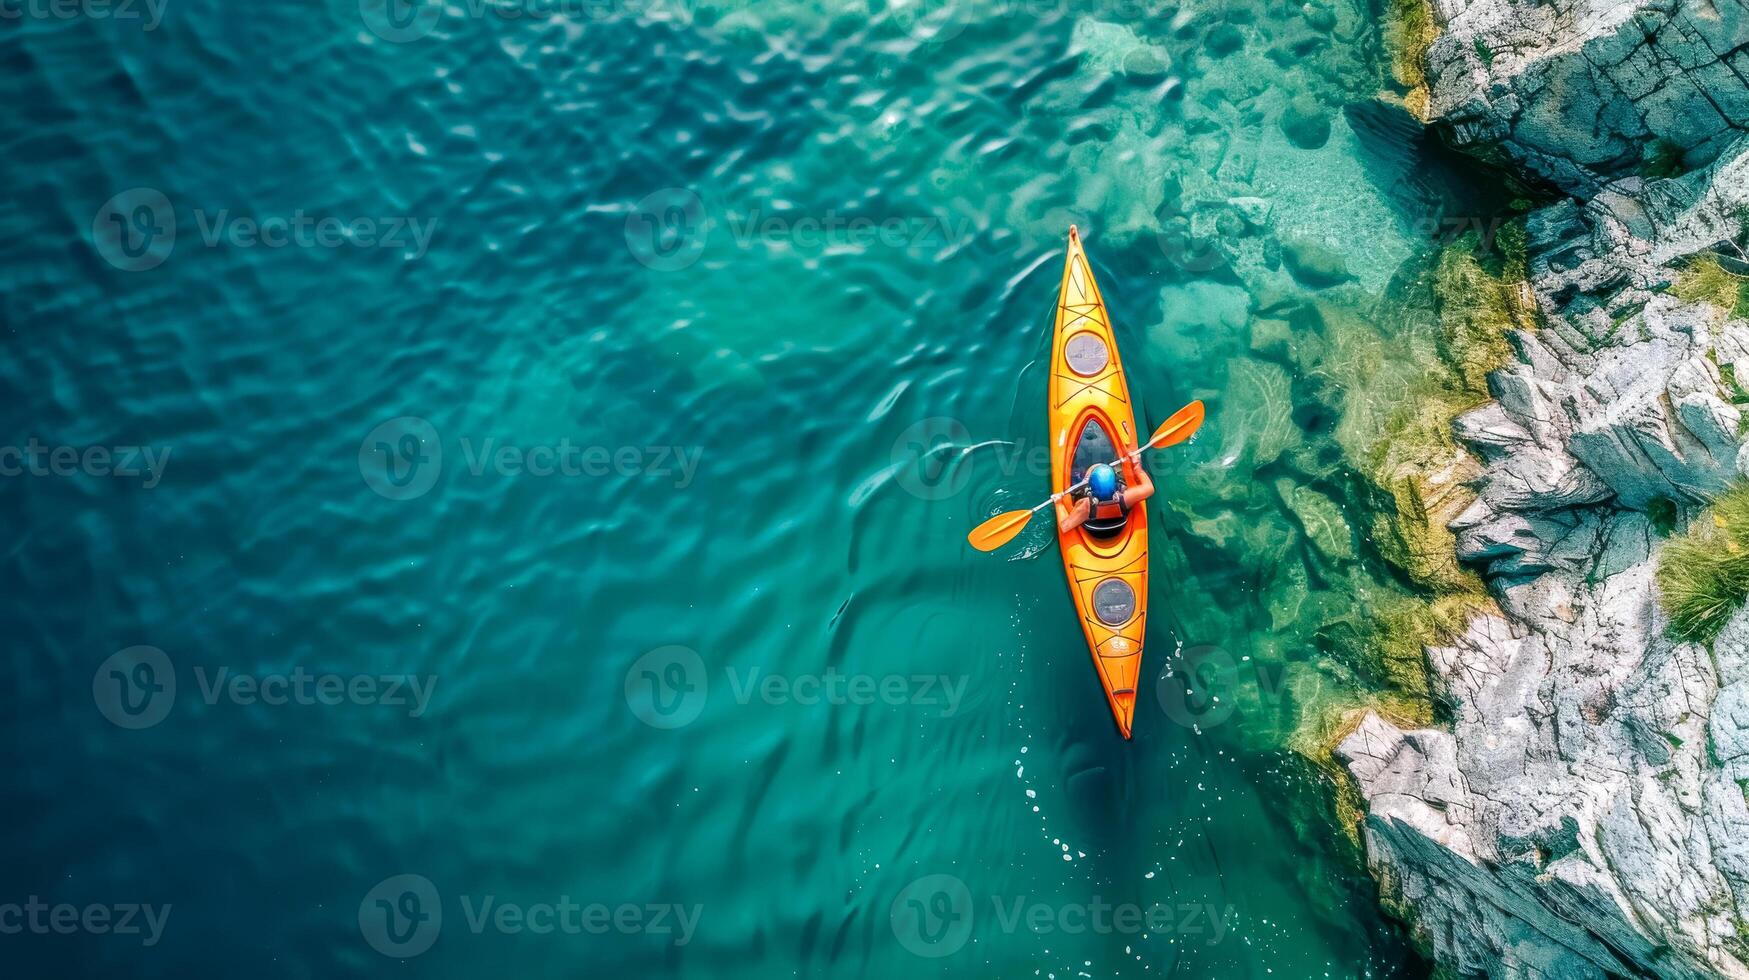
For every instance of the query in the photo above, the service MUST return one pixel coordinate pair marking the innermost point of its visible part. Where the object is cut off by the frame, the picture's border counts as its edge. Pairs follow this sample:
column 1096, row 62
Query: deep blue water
column 522, row 394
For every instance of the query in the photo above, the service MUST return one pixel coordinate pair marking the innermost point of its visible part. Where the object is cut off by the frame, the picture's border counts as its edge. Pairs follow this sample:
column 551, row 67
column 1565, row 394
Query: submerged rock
column 1320, row 517
column 1313, row 264
column 1306, row 123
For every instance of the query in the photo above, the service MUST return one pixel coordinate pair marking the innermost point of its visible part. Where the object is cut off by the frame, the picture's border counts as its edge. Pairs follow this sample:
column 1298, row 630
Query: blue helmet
column 1102, row 480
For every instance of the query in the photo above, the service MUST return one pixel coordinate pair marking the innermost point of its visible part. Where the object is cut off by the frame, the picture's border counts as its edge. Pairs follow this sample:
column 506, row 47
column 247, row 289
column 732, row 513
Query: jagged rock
column 1580, row 93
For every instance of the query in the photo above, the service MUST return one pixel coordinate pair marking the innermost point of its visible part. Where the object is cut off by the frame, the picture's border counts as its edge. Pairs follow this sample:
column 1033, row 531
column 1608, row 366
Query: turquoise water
column 566, row 429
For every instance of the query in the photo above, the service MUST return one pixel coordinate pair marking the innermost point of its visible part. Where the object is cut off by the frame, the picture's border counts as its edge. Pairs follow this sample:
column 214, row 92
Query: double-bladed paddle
column 1001, row 529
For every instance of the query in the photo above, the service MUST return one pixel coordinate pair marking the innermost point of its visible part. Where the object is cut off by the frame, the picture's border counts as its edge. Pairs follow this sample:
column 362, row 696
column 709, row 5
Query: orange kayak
column 1091, row 421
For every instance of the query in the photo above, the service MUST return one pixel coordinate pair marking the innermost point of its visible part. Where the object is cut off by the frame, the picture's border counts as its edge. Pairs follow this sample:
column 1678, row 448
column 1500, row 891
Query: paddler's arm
column 1143, row 489
column 1073, row 516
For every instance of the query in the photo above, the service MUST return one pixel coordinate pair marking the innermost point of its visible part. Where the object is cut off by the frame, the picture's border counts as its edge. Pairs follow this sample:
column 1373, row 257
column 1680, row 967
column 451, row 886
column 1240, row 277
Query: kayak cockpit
column 1095, row 446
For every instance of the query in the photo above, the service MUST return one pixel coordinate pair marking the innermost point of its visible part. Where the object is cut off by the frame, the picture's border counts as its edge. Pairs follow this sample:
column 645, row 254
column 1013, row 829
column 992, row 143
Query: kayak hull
column 1090, row 401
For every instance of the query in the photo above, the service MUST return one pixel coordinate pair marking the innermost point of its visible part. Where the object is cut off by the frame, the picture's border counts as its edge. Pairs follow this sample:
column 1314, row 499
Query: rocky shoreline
column 1583, row 812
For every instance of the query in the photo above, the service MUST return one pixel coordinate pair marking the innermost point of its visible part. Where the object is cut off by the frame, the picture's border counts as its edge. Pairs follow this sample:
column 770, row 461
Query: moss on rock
column 1705, row 280
column 1477, row 308
column 1703, row 576
column 1399, row 393
column 1409, row 31
column 1416, row 460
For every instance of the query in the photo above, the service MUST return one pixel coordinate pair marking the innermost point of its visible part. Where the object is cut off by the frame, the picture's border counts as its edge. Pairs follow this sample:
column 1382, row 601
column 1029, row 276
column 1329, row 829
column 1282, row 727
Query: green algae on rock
column 1399, row 393
column 1410, row 29
column 1418, row 462
column 1479, row 306
column 1344, row 408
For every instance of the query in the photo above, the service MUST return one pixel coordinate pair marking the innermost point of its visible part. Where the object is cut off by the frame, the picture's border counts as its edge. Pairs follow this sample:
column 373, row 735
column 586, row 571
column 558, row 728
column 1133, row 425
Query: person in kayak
column 1104, row 506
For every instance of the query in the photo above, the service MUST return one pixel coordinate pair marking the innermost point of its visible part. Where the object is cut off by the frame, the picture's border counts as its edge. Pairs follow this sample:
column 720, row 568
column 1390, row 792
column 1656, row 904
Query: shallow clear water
column 761, row 290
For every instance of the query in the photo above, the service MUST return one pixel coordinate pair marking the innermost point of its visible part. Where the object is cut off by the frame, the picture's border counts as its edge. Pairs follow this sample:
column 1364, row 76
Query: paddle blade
column 1181, row 426
column 998, row 530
